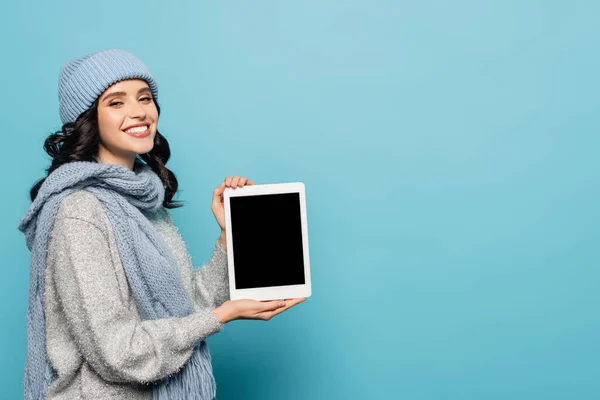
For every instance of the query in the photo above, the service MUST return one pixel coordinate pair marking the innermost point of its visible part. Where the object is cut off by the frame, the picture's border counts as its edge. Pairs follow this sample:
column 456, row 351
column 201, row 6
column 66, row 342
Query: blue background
column 450, row 156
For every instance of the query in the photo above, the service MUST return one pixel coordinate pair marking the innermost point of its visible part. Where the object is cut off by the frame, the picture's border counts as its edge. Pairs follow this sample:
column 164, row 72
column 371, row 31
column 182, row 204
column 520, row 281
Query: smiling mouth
column 139, row 132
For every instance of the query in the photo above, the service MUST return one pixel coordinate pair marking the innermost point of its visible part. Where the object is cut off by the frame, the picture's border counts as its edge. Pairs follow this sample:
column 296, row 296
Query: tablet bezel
column 273, row 292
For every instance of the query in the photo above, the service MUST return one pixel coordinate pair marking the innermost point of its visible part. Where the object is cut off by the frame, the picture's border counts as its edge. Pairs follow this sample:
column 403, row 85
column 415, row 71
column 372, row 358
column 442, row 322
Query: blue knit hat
column 83, row 79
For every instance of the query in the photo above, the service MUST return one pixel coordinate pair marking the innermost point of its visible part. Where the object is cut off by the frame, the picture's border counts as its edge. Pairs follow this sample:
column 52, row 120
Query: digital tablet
column 267, row 241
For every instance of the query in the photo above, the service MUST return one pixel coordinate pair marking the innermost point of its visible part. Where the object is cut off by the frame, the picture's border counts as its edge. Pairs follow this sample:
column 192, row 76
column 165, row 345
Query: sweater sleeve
column 211, row 280
column 109, row 333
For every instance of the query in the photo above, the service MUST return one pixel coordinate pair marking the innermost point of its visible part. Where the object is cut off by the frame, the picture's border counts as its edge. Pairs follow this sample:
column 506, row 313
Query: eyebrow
column 114, row 94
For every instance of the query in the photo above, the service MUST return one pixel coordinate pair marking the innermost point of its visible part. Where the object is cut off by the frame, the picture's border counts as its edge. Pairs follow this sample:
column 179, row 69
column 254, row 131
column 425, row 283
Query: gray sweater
column 96, row 341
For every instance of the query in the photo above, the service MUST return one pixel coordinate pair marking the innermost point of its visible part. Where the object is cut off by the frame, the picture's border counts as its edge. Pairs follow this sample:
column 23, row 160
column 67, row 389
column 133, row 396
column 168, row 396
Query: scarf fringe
column 194, row 381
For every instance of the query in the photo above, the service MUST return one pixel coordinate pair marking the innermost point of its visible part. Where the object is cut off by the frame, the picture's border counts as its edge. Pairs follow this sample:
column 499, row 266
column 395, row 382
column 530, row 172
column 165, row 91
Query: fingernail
column 281, row 303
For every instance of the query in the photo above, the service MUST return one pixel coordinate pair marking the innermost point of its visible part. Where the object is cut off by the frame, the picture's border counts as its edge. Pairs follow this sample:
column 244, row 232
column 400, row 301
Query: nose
column 137, row 111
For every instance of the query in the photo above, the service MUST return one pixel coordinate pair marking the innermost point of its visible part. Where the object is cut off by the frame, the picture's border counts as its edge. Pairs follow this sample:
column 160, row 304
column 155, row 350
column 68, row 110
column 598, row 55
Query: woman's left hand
column 218, row 204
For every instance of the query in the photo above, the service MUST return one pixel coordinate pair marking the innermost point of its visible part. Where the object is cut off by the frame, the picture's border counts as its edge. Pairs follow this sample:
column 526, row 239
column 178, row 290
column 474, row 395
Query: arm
column 109, row 334
column 211, row 281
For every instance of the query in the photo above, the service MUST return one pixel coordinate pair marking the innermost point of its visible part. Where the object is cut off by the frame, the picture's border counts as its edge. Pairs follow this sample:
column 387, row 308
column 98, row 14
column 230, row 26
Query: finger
column 234, row 181
column 270, row 314
column 242, row 181
column 294, row 299
column 250, row 183
column 219, row 190
column 271, row 305
column 218, row 194
column 293, row 302
column 267, row 315
column 289, row 304
column 228, row 181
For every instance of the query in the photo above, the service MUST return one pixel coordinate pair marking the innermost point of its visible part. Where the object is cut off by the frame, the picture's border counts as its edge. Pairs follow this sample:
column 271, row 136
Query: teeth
column 137, row 129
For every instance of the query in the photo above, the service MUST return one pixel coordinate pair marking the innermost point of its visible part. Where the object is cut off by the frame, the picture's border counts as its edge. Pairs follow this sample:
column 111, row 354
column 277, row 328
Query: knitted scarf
column 150, row 267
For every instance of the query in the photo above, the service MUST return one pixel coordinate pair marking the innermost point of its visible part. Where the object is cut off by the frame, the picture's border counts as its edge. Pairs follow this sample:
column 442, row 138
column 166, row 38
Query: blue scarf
column 150, row 267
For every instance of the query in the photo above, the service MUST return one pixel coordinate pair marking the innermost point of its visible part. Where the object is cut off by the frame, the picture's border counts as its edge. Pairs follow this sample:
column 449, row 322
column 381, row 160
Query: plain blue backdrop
column 450, row 155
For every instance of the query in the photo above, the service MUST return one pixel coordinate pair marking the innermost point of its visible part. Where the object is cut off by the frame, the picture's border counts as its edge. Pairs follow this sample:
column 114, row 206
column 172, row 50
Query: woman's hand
column 253, row 309
column 218, row 203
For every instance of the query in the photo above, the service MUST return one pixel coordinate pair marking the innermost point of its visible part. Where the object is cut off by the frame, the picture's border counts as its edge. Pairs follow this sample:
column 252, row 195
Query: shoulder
column 82, row 205
column 85, row 206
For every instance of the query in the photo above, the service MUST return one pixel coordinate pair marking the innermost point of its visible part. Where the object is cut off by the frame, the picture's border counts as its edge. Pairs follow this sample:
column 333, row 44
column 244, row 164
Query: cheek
column 153, row 113
column 109, row 125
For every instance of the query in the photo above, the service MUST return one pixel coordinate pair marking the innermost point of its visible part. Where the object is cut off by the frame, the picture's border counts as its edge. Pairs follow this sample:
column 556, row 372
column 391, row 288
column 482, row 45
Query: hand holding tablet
column 253, row 309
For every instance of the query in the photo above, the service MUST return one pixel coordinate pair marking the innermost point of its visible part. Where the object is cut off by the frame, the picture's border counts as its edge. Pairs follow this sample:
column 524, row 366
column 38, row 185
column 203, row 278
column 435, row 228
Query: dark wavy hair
column 79, row 141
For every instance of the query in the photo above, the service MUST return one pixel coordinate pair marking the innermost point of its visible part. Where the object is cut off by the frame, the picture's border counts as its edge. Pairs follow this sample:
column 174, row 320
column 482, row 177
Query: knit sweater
column 96, row 341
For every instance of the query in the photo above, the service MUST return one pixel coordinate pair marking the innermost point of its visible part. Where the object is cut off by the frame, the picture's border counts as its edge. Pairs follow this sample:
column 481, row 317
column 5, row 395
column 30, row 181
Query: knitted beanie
column 83, row 79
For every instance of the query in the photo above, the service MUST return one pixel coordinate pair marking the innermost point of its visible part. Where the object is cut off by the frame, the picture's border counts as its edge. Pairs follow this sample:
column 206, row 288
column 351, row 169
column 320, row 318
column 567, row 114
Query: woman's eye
column 114, row 103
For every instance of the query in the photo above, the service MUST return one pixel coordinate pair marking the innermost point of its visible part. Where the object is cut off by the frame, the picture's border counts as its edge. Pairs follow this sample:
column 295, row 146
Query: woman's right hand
column 253, row 309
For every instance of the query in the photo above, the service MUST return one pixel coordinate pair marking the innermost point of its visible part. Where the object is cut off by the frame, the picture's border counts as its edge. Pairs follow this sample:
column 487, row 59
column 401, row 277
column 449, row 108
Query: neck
column 106, row 157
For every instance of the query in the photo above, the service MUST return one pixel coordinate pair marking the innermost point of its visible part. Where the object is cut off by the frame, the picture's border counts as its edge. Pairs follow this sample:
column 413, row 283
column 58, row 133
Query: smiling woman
column 116, row 308
column 99, row 134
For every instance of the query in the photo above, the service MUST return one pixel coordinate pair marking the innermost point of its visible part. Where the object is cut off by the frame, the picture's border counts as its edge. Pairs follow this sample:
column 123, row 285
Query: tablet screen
column 266, row 232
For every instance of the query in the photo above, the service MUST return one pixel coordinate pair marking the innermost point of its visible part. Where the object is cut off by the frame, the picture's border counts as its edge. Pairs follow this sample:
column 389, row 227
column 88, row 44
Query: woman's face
column 126, row 105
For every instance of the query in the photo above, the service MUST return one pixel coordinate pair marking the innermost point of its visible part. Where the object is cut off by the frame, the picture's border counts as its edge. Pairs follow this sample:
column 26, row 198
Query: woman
column 116, row 309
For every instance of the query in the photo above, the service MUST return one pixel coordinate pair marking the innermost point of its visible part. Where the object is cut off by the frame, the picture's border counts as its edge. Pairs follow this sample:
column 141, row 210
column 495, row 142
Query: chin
column 143, row 150
column 143, row 147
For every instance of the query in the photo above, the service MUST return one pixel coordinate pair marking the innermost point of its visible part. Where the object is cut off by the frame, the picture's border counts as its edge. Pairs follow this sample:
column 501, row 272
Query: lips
column 138, row 134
